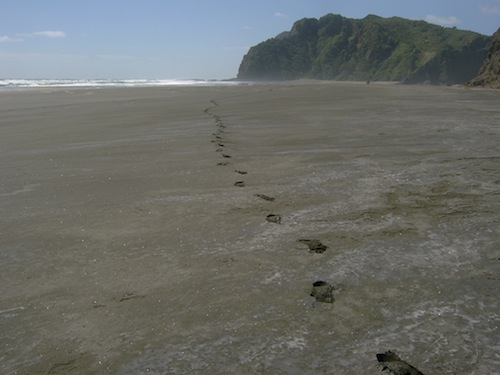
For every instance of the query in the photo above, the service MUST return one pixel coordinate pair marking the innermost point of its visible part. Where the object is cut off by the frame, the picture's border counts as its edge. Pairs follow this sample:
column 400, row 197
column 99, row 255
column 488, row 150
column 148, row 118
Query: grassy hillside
column 373, row 48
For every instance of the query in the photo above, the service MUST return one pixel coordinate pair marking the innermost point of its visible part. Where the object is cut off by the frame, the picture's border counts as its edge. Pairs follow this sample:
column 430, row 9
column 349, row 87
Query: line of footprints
column 322, row 291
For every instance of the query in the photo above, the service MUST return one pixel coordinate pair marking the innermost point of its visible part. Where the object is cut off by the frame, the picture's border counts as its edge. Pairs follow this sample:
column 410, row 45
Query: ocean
column 37, row 83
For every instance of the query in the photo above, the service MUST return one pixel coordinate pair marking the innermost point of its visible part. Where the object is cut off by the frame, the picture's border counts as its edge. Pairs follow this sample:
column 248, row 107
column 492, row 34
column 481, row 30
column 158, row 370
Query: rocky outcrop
column 489, row 75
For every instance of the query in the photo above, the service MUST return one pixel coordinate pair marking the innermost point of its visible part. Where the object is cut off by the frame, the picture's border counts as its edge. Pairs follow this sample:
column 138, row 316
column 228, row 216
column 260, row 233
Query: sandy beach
column 135, row 234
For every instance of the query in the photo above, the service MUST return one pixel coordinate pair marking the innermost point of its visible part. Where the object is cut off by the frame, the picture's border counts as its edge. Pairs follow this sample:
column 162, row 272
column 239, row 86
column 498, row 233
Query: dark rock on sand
column 396, row 365
column 323, row 292
column 314, row 245
column 273, row 218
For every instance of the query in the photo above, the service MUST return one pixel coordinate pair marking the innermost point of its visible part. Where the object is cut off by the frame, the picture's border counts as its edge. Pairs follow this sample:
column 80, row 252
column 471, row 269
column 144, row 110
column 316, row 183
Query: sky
column 182, row 39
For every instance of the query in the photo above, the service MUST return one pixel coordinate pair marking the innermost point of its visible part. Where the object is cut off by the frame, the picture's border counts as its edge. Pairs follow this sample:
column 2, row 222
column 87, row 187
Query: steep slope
column 373, row 48
column 489, row 75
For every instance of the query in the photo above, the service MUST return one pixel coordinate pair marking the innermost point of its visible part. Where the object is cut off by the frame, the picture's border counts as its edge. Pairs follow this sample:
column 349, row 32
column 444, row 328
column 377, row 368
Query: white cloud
column 44, row 34
column 116, row 57
column 19, row 37
column 50, row 34
column 6, row 39
column 444, row 21
column 490, row 9
column 280, row 15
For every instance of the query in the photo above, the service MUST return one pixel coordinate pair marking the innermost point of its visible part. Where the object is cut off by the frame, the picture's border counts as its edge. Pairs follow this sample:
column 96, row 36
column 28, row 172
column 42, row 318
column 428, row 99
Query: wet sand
column 156, row 230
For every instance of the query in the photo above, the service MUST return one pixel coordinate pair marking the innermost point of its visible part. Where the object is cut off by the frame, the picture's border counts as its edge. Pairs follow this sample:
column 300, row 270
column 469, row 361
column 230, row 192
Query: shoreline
column 139, row 83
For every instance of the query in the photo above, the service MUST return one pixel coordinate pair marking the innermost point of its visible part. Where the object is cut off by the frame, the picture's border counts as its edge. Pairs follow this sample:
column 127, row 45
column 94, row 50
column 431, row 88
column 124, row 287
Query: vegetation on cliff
column 372, row 48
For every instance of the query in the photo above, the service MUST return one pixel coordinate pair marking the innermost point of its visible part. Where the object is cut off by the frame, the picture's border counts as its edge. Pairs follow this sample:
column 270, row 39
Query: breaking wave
column 34, row 83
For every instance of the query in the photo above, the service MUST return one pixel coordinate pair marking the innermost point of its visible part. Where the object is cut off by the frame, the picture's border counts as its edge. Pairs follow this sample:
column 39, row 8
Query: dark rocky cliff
column 372, row 48
column 489, row 75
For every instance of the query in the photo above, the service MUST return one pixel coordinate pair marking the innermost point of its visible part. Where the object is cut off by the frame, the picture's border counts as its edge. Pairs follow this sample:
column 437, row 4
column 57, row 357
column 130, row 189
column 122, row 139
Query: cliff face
column 373, row 48
column 489, row 75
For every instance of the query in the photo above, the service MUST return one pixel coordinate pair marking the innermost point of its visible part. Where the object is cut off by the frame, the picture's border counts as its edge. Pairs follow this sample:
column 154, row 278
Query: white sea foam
column 34, row 83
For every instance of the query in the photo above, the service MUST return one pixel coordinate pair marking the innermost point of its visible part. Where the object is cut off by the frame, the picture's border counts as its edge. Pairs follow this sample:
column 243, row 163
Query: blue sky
column 169, row 39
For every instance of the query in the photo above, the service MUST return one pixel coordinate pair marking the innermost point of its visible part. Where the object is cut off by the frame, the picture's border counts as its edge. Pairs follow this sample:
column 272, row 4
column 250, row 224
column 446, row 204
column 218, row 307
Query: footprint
column 239, row 183
column 314, row 245
column 63, row 367
column 240, row 172
column 129, row 296
column 322, row 291
column 273, row 218
column 226, row 156
column 396, row 365
column 265, row 197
